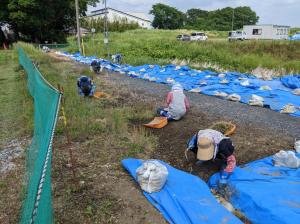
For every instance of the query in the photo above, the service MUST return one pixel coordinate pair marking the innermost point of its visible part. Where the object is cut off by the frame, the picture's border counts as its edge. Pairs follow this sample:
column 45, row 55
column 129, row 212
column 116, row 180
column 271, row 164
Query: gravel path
column 273, row 122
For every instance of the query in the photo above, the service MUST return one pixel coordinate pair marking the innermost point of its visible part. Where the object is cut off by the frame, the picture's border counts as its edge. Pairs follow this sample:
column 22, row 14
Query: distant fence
column 37, row 206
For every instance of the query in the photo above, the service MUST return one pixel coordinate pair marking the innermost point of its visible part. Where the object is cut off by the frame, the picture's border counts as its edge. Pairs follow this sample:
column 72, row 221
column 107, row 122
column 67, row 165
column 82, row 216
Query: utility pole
column 78, row 26
column 106, row 29
column 232, row 19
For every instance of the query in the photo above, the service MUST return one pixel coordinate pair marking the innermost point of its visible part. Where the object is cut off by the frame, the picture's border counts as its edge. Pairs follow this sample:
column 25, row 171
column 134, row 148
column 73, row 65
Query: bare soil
column 252, row 140
column 103, row 192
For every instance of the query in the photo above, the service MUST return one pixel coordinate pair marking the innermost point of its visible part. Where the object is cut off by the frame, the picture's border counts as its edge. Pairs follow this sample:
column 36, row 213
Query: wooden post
column 69, row 140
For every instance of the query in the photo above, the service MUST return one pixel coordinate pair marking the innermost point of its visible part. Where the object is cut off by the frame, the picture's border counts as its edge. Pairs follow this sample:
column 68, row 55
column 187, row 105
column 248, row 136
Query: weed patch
column 161, row 47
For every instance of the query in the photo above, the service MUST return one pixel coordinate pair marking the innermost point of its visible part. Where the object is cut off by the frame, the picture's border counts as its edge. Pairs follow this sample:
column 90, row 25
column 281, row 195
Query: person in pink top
column 177, row 104
column 210, row 144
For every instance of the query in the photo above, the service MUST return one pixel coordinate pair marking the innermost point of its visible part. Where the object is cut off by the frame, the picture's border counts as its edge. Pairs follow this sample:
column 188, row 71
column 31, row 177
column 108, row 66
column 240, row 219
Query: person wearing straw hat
column 177, row 104
column 210, row 144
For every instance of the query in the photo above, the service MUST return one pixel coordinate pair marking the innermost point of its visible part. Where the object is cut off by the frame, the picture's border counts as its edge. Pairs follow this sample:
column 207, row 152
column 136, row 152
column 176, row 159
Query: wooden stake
column 69, row 140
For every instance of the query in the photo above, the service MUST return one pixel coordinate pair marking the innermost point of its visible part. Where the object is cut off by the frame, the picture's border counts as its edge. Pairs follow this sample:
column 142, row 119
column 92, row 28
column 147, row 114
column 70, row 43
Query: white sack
column 286, row 159
column 152, row 176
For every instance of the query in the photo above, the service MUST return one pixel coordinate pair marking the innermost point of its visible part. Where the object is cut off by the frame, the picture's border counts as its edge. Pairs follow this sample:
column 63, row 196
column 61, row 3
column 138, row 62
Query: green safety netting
column 37, row 205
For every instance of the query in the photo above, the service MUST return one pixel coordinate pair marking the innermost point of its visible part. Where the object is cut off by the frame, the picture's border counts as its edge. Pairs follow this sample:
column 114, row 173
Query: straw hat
column 206, row 149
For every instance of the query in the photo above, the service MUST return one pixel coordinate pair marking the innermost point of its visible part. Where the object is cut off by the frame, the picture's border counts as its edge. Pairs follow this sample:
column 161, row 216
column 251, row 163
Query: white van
column 198, row 36
column 236, row 35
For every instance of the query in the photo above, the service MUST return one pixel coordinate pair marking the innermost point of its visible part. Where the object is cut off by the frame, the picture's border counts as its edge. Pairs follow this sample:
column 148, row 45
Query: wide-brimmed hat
column 206, row 149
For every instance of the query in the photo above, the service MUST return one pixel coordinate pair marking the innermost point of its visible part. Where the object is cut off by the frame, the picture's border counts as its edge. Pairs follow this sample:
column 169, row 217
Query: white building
column 267, row 32
column 114, row 15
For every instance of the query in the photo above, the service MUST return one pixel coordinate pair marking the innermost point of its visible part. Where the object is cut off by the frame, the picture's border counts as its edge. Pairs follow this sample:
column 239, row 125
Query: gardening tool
column 157, row 122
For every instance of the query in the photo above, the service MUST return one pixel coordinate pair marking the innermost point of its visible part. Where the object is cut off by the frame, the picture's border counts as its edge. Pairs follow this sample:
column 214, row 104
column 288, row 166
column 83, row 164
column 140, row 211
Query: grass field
column 16, row 105
column 160, row 47
column 100, row 130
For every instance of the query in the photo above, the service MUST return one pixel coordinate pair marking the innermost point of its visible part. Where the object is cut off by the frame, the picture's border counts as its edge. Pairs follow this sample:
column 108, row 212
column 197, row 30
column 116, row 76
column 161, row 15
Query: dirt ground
column 103, row 192
column 119, row 197
column 252, row 140
column 111, row 188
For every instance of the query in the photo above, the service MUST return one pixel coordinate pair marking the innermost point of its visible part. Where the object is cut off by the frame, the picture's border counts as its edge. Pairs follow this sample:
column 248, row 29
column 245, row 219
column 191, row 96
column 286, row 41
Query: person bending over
column 210, row 144
column 85, row 86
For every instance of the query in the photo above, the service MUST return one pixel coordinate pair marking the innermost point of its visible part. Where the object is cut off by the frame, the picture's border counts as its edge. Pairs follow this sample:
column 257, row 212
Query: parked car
column 296, row 36
column 198, row 36
column 236, row 35
column 183, row 37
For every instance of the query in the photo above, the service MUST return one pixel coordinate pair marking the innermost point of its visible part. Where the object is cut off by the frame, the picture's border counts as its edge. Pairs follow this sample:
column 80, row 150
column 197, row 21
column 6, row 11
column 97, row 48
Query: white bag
column 296, row 92
column 265, row 88
column 286, row 159
column 256, row 101
column 221, row 94
column 288, row 109
column 152, row 176
column 297, row 146
column 234, row 97
column 245, row 83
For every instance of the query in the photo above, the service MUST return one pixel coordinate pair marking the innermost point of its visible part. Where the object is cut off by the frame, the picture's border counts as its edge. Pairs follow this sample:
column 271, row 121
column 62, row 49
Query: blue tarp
column 209, row 82
column 292, row 82
column 185, row 198
column 265, row 193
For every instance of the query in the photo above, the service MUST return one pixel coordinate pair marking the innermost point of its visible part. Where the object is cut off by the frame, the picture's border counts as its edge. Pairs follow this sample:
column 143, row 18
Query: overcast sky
column 281, row 12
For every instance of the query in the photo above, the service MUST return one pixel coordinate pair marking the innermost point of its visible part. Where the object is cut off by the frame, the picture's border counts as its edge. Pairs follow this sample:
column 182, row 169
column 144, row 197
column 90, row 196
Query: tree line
column 45, row 20
column 167, row 17
column 41, row 20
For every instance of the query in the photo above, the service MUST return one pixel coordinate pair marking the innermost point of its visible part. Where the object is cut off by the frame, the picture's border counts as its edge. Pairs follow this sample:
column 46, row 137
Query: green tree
column 244, row 16
column 41, row 20
column 166, row 17
column 194, row 16
column 220, row 19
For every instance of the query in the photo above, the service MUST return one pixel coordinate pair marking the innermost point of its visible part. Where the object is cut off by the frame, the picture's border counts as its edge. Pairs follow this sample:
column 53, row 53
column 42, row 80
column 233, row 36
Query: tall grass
column 161, row 47
column 16, row 104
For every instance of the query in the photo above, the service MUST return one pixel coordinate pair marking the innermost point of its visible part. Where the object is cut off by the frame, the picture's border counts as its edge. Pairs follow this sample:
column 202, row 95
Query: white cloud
column 284, row 12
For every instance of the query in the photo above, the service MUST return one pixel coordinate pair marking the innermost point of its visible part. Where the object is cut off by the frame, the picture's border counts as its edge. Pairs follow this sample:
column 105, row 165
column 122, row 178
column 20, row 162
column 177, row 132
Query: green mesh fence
column 37, row 206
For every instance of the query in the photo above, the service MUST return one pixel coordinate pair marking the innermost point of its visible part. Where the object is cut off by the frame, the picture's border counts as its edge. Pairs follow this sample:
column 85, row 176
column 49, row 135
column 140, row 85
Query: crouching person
column 85, row 86
column 95, row 66
column 177, row 104
column 210, row 145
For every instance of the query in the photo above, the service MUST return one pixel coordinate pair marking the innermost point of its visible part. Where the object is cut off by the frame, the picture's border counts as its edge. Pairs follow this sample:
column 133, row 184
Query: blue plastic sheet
column 265, row 193
column 184, row 198
column 209, row 82
column 290, row 81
